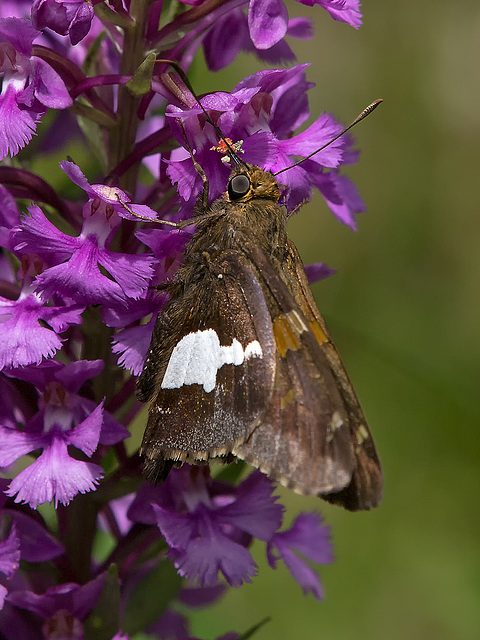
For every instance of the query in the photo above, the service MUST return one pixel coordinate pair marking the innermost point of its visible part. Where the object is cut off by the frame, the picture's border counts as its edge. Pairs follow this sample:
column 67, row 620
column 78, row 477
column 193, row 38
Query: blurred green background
column 404, row 310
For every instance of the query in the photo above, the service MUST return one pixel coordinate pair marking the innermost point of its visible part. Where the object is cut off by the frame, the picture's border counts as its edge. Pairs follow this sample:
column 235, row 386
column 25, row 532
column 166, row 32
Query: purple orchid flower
column 66, row 17
column 64, row 419
column 263, row 111
column 29, row 87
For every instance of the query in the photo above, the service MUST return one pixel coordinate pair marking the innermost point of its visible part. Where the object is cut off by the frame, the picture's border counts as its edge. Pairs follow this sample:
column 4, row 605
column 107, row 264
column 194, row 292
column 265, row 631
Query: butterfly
column 241, row 364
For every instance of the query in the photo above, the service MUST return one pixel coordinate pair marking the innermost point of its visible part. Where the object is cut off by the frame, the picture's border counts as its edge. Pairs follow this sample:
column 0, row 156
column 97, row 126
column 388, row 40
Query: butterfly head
column 248, row 182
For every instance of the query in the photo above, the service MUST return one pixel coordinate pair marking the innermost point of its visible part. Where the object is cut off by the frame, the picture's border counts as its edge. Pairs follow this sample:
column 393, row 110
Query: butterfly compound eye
column 238, row 187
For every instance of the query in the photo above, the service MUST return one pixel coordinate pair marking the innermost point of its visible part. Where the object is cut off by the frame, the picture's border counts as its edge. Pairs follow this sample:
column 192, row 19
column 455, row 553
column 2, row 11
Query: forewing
column 313, row 435
column 210, row 370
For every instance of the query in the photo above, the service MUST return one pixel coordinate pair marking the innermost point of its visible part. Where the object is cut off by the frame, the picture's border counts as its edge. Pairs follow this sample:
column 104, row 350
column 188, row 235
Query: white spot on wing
column 198, row 356
column 253, row 350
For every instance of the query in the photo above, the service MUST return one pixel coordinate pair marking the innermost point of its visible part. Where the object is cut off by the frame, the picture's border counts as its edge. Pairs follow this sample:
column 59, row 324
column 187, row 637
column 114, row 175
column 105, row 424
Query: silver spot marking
column 198, row 356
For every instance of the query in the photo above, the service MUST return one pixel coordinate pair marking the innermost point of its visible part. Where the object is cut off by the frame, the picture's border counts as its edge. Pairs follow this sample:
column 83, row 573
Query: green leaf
column 89, row 66
column 103, row 12
column 253, row 630
column 141, row 81
column 95, row 137
column 96, row 116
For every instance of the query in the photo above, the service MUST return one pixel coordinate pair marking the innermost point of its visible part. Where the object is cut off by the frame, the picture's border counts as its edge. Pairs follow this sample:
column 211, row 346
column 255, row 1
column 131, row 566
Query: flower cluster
column 79, row 265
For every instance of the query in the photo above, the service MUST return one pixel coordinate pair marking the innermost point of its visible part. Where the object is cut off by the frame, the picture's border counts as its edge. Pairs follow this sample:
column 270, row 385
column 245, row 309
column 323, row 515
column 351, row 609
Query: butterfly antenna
column 366, row 112
column 230, row 150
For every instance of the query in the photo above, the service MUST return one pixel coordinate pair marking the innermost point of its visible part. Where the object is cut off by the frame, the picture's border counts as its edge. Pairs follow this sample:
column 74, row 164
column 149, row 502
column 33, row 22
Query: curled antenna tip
column 367, row 111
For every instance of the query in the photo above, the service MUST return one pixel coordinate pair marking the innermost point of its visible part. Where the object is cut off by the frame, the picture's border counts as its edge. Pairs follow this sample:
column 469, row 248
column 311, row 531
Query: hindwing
column 314, row 437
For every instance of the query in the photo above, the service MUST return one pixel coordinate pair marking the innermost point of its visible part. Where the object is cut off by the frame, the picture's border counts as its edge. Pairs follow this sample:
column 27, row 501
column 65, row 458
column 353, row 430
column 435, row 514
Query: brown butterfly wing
column 201, row 411
column 366, row 486
column 314, row 437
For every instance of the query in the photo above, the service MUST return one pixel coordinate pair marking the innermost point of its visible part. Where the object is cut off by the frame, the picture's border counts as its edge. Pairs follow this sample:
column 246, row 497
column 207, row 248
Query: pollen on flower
column 226, row 146
column 109, row 193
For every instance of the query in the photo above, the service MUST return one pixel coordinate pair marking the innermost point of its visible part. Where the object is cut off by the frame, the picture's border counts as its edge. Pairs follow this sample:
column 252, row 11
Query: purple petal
column 13, row 407
column 300, row 28
column 163, row 242
column 176, row 528
column 322, row 131
column 72, row 18
column 112, row 430
column 342, row 10
column 80, row 278
column 270, row 79
column 219, row 101
column 60, row 318
column 341, row 195
column 39, row 375
column 17, row 126
column 137, row 212
column 119, row 508
column 303, row 574
column 77, row 600
column 291, row 110
column 255, row 510
column 171, row 626
column 22, row 340
column 309, row 536
column 19, row 32
column 36, row 543
column 75, row 174
column 3, row 593
column 184, row 175
column 299, row 184
column 132, row 345
column 279, row 53
column 108, row 194
column 318, row 271
column 131, row 272
column 50, row 89
column 267, row 22
column 81, row 23
column 74, row 374
column 206, row 556
column 261, row 149
column 86, row 435
column 15, row 444
column 38, row 235
column 10, row 553
column 9, row 212
column 224, row 40
column 141, row 509
column 168, row 248
column 54, row 476
column 119, row 316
